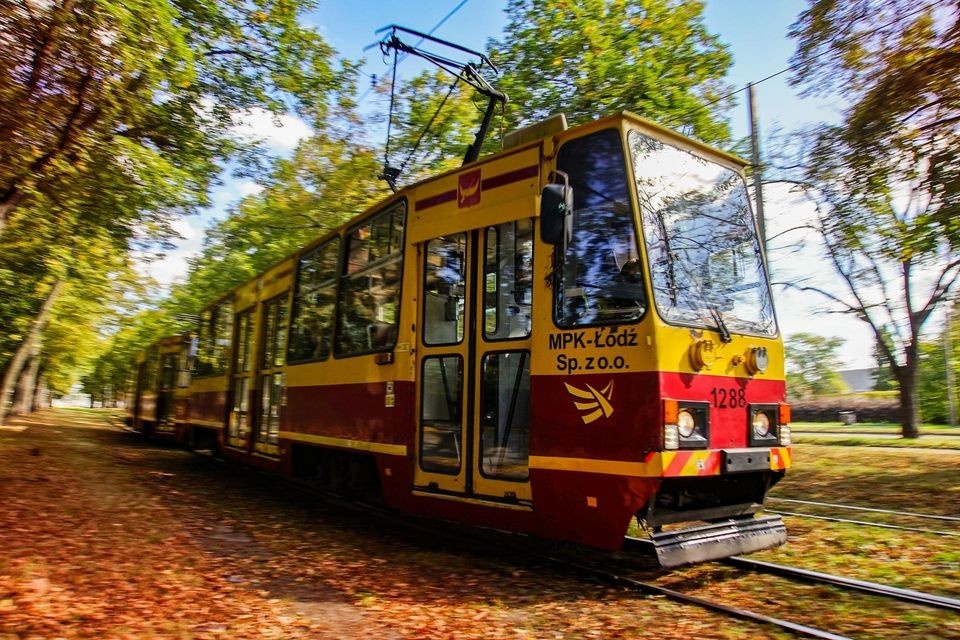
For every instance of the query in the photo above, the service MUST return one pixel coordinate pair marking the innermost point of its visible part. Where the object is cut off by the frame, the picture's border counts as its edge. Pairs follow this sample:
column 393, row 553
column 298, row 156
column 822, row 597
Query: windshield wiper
column 725, row 336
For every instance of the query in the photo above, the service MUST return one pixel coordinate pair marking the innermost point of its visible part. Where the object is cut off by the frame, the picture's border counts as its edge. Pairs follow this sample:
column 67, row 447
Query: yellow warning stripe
column 345, row 443
column 657, row 464
column 691, row 463
column 652, row 467
column 780, row 458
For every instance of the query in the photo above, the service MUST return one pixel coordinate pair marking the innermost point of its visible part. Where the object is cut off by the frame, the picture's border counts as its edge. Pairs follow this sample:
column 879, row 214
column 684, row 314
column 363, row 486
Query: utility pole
column 948, row 358
column 755, row 160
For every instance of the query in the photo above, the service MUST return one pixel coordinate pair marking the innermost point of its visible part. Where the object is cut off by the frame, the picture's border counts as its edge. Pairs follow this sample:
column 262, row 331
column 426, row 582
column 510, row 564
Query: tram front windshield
column 704, row 253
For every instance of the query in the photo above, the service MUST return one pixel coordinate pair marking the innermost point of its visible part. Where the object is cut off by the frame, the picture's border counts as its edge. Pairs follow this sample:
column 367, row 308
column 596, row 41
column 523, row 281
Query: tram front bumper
column 717, row 540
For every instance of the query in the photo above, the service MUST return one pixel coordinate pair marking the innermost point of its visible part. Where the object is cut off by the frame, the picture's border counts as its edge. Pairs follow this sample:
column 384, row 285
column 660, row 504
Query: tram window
column 314, row 303
column 239, row 423
column 440, row 415
column 505, row 415
column 183, row 366
column 369, row 296
column 600, row 280
column 214, row 338
column 221, row 338
column 243, row 346
column 169, row 371
column 508, row 273
column 274, row 323
column 202, row 363
column 153, row 368
column 270, row 386
column 444, row 287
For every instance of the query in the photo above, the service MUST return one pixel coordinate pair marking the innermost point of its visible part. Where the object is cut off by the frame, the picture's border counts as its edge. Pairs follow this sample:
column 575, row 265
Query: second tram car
column 158, row 395
column 561, row 338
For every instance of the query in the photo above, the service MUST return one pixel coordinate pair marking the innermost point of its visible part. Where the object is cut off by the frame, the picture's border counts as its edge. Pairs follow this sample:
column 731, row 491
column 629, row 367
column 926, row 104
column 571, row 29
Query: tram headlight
column 761, row 424
column 763, row 427
column 686, row 423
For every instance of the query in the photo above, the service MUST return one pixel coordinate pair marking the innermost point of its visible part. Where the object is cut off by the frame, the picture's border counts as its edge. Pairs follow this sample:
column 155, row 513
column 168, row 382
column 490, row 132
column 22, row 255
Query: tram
column 561, row 339
column 157, row 397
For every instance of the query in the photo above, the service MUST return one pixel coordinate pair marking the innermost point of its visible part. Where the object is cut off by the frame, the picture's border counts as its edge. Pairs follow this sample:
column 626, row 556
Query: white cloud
column 280, row 133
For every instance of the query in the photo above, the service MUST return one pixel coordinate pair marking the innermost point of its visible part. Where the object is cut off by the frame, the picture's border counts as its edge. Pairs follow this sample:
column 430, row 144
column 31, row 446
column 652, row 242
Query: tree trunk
column 23, row 397
column 909, row 402
column 41, row 398
column 8, row 203
column 19, row 359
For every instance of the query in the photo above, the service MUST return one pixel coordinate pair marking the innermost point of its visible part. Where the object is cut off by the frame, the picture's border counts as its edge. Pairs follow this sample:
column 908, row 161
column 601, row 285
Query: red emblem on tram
column 468, row 189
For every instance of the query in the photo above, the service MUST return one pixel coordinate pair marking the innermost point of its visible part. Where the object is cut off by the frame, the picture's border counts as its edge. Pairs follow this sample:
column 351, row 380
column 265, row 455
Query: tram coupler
column 717, row 540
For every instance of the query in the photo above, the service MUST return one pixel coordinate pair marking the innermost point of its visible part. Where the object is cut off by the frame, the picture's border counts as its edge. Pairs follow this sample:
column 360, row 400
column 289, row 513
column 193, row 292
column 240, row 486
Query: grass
column 873, row 434
column 878, row 427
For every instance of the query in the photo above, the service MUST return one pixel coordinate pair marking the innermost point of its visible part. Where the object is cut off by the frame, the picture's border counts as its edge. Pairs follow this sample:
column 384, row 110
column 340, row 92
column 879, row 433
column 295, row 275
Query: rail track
column 868, row 523
column 678, row 596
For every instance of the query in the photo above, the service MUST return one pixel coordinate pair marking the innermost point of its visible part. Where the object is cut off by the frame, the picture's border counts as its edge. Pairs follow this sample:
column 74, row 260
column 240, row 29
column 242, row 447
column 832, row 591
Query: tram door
column 265, row 420
column 474, row 362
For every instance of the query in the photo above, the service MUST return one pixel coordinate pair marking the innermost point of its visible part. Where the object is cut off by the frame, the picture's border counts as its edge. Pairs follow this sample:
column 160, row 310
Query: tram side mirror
column 556, row 210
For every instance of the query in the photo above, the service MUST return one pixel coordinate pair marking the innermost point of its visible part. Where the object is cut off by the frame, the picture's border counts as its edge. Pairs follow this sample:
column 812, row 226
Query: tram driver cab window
column 600, row 279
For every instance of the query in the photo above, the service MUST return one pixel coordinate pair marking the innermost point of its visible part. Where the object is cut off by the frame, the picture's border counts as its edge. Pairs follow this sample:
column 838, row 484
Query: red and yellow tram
column 158, row 392
column 557, row 339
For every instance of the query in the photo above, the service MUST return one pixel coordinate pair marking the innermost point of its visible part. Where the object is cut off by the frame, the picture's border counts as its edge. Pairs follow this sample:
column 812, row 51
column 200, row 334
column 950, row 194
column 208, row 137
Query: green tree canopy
column 590, row 58
column 812, row 365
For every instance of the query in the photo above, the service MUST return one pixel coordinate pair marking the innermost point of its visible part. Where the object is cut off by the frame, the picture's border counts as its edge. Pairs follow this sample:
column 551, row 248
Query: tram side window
column 314, row 303
column 184, row 365
column 505, row 415
column 275, row 320
column 369, row 303
column 440, row 420
column 508, row 273
column 600, row 281
column 214, row 339
column 153, row 369
column 244, row 345
column 445, row 279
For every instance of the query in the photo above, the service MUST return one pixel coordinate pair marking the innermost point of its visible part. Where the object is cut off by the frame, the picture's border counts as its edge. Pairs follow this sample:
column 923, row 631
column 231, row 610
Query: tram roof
column 552, row 131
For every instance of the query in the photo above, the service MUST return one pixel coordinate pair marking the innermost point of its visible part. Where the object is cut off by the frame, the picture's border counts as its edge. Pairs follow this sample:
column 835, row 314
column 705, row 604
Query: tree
column 590, row 58
column 813, row 365
column 115, row 117
column 883, row 380
column 886, row 180
column 169, row 76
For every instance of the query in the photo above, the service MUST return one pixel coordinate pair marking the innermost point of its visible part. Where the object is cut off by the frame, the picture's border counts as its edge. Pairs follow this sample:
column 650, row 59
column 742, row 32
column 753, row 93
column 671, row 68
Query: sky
column 756, row 33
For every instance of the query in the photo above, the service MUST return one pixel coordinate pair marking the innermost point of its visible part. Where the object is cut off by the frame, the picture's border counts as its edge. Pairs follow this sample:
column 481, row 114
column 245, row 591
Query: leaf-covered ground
column 105, row 536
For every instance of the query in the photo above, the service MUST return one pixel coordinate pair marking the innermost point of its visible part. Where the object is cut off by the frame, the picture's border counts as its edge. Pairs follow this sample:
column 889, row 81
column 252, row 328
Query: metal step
column 732, row 537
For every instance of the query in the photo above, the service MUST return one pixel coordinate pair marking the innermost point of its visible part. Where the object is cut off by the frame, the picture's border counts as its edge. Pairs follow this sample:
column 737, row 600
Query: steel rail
column 864, row 523
column 678, row 596
column 911, row 514
column 873, row 588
